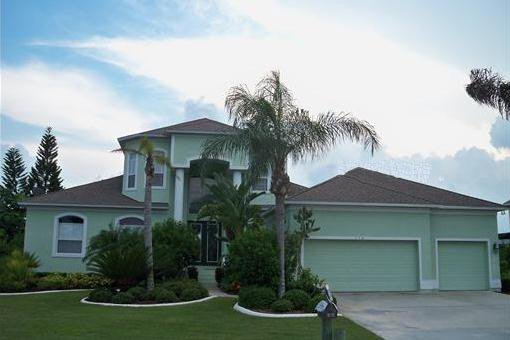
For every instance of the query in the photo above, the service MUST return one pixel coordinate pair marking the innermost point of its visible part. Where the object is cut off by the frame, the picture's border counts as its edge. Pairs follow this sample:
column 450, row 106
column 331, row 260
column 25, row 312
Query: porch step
column 206, row 276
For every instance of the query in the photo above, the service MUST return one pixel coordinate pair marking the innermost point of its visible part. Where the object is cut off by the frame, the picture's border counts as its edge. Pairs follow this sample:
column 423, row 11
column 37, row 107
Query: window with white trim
column 131, row 171
column 261, row 183
column 130, row 222
column 69, row 235
column 159, row 172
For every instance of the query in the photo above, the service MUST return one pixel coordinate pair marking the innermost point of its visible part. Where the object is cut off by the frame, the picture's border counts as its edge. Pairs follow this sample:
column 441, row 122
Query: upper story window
column 69, row 236
column 130, row 222
column 131, row 170
column 159, row 172
column 261, row 184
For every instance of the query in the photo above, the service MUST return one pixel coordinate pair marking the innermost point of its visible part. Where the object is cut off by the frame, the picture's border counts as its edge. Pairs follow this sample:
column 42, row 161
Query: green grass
column 62, row 316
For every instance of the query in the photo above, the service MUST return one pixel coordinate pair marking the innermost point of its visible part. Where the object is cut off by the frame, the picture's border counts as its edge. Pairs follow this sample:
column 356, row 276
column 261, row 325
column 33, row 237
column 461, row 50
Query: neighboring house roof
column 371, row 187
column 507, row 203
column 104, row 193
column 202, row 125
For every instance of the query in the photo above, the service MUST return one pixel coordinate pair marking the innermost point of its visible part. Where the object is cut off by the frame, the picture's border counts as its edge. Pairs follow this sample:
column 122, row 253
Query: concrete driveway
column 441, row 315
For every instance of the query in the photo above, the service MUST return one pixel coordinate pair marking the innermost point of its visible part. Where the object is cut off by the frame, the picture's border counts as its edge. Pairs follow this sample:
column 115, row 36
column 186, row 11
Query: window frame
column 56, row 224
column 165, row 170
column 126, row 182
column 117, row 220
column 268, row 183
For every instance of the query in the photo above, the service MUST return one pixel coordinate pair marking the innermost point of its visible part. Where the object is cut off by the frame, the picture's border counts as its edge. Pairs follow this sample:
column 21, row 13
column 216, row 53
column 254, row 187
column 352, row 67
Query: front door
column 210, row 245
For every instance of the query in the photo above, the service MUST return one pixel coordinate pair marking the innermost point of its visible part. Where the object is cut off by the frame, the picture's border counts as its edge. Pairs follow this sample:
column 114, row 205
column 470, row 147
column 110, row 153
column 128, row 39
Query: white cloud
column 416, row 103
column 70, row 100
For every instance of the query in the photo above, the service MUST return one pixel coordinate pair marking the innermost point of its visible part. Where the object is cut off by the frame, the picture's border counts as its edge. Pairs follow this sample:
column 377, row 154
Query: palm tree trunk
column 280, row 232
column 149, row 171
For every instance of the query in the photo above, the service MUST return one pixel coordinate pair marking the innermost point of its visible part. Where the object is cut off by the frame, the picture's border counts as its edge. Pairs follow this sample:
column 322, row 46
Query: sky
column 97, row 70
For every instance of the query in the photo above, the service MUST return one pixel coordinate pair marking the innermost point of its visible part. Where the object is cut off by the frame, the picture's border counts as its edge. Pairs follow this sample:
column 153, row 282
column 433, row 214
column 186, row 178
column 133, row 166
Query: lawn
column 62, row 316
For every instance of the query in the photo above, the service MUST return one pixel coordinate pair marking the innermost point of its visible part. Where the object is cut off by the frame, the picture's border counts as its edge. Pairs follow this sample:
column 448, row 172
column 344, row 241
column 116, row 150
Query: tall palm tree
column 231, row 206
column 488, row 88
column 270, row 128
column 146, row 150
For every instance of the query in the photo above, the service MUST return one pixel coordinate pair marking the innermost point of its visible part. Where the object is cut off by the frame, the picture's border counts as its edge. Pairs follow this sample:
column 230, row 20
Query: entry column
column 179, row 195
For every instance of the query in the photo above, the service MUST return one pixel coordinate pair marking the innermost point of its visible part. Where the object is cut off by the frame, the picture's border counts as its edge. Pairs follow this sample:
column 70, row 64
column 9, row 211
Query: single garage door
column 350, row 266
column 463, row 265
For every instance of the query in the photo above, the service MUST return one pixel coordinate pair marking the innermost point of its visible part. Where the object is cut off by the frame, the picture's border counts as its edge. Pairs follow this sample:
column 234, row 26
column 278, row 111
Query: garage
column 462, row 265
column 364, row 265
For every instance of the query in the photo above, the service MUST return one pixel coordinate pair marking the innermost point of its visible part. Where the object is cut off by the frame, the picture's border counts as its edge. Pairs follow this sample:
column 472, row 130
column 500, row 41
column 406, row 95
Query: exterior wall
column 423, row 224
column 160, row 195
column 39, row 233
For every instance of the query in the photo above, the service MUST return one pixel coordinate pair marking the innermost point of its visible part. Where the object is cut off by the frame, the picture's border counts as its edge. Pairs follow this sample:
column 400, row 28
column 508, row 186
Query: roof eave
column 111, row 206
column 393, row 205
column 168, row 133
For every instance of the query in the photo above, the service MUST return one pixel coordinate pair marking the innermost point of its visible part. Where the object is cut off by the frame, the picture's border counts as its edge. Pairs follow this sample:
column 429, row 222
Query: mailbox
column 327, row 310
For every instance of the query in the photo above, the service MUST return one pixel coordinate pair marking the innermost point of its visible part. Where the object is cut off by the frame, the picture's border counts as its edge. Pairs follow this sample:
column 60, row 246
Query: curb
column 84, row 300
column 43, row 292
column 271, row 315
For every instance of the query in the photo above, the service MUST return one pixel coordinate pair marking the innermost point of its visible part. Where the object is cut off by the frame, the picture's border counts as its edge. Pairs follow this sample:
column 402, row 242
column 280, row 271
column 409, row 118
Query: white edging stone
column 272, row 315
column 133, row 305
column 43, row 292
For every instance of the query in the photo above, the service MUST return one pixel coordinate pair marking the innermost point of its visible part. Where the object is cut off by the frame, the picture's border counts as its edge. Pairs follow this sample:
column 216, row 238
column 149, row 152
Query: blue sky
column 97, row 70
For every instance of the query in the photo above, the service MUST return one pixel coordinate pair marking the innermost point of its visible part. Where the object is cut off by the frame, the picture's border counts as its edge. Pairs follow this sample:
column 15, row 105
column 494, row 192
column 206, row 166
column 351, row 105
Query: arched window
column 130, row 222
column 70, row 231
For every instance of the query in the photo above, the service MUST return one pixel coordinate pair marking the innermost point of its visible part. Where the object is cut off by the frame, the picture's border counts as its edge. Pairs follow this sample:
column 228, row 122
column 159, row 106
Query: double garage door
column 381, row 265
column 358, row 265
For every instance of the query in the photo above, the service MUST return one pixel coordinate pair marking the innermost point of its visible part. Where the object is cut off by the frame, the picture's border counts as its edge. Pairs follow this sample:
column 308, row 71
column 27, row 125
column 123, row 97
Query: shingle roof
column 295, row 189
column 105, row 193
column 507, row 203
column 366, row 186
column 202, row 125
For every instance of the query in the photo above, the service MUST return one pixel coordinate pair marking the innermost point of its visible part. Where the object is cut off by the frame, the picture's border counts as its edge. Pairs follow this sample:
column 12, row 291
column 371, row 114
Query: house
column 378, row 232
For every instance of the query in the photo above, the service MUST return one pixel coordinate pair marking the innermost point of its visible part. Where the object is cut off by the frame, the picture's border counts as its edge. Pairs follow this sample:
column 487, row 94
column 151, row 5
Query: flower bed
column 51, row 282
column 167, row 293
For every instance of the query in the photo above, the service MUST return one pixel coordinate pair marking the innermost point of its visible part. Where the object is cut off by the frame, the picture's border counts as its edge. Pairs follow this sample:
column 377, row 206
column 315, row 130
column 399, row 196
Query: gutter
column 169, row 133
column 394, row 205
column 28, row 204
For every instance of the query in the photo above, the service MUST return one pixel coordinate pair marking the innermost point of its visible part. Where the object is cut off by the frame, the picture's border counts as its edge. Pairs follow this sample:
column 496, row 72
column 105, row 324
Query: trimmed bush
column 298, row 297
column 282, row 306
column 309, row 282
column 194, row 293
column 219, row 274
column 139, row 293
column 162, row 295
column 71, row 281
column 100, row 295
column 123, row 298
column 256, row 297
column 193, row 273
column 176, row 245
column 178, row 286
column 253, row 259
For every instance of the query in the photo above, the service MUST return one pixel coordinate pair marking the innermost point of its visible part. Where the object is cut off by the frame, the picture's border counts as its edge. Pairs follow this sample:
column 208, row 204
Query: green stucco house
column 378, row 232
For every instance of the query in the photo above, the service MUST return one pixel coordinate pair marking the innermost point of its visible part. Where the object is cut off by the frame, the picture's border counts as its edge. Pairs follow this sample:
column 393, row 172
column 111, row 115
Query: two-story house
column 378, row 232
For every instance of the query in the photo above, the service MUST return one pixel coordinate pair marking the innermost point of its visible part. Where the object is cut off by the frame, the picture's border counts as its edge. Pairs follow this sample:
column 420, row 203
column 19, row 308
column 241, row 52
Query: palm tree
column 146, row 150
column 231, row 206
column 490, row 89
column 270, row 128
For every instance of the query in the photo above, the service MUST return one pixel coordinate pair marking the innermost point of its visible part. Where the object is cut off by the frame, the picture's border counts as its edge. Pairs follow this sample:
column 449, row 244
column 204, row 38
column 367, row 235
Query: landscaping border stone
column 250, row 312
column 135, row 305
column 44, row 292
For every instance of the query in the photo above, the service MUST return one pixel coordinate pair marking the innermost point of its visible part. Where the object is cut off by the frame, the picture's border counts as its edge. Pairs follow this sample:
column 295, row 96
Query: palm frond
column 489, row 88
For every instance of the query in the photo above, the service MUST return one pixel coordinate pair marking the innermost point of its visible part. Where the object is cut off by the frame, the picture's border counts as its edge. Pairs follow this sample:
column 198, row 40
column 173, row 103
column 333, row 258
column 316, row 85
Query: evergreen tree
column 44, row 176
column 13, row 171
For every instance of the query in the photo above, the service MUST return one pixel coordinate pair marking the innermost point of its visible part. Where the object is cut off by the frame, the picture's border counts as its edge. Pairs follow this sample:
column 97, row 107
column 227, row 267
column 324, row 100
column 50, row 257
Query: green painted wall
column 425, row 224
column 161, row 195
column 39, row 233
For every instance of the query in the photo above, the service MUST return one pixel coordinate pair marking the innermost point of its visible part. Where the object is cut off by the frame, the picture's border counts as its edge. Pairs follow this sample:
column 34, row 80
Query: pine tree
column 44, row 176
column 13, row 171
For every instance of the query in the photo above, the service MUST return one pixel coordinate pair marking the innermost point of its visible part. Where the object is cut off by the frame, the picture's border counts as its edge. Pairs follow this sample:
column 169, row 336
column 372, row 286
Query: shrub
column 307, row 281
column 194, row 293
column 256, row 297
column 17, row 271
column 298, row 297
column 118, row 254
column 139, row 293
column 52, row 281
column 162, row 295
column 175, row 246
column 71, row 281
column 178, row 286
column 193, row 273
column 282, row 306
column 219, row 275
column 100, row 295
column 253, row 259
column 123, row 298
